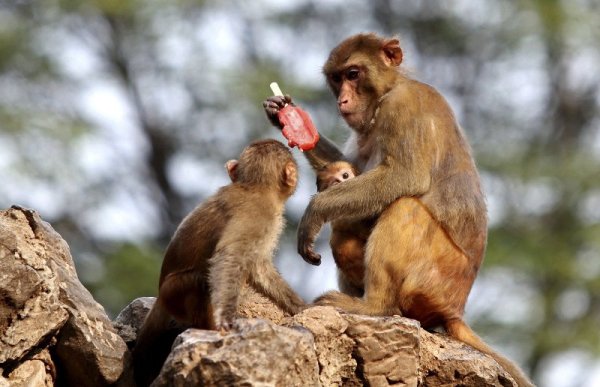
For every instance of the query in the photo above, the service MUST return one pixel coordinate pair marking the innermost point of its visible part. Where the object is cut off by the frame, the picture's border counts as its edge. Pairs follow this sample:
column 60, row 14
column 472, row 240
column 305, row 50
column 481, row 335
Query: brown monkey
column 420, row 182
column 334, row 173
column 227, row 240
column 348, row 238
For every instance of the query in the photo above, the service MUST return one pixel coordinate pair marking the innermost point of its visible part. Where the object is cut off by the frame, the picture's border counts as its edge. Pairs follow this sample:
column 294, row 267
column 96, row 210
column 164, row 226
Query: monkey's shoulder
column 413, row 95
column 250, row 204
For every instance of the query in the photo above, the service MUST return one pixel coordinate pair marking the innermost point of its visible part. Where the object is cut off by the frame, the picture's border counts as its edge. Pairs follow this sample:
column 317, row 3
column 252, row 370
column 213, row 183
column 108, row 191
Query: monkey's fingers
column 273, row 104
column 309, row 255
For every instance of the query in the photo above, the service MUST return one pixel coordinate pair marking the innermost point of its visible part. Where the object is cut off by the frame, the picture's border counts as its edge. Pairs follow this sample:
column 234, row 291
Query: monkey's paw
column 309, row 255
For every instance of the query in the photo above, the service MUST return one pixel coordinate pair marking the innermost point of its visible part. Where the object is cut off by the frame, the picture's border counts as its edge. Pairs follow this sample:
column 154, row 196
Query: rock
column 350, row 350
column 52, row 331
column 37, row 371
column 254, row 305
column 129, row 321
column 386, row 348
column 333, row 346
column 255, row 352
column 30, row 309
column 445, row 361
column 42, row 302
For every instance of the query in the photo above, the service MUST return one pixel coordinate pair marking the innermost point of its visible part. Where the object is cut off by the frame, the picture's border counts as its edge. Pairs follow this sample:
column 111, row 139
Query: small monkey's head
column 334, row 173
column 266, row 163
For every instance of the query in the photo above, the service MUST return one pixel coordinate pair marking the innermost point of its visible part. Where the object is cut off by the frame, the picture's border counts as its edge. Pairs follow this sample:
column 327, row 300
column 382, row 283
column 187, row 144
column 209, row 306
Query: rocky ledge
column 52, row 332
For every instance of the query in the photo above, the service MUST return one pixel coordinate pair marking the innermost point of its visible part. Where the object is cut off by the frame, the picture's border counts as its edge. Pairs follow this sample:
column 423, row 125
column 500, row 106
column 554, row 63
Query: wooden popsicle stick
column 275, row 88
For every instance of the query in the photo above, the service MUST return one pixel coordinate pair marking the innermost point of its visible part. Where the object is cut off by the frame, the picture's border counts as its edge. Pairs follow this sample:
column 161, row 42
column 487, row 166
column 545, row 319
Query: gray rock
column 38, row 371
column 334, row 347
column 254, row 353
column 129, row 321
column 386, row 349
column 448, row 362
column 30, row 309
column 41, row 298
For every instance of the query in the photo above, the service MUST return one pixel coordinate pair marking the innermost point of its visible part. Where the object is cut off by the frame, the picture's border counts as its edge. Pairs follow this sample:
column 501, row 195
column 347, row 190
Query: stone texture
column 387, row 349
column 333, row 346
column 350, row 350
column 448, row 362
column 254, row 353
column 30, row 310
column 254, row 305
column 53, row 332
column 42, row 302
column 129, row 321
column 38, row 371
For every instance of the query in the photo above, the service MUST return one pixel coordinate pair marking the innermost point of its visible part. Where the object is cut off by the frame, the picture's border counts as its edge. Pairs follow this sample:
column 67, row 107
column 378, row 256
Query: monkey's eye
column 336, row 78
column 345, row 175
column 352, row 74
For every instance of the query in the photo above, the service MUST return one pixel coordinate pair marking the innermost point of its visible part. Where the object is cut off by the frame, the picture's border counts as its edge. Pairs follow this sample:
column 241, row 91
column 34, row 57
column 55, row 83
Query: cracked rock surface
column 44, row 309
column 320, row 347
column 52, row 332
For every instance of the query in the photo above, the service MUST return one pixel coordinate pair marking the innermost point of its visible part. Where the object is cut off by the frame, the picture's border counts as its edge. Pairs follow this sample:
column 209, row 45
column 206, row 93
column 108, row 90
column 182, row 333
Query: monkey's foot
column 355, row 305
column 334, row 298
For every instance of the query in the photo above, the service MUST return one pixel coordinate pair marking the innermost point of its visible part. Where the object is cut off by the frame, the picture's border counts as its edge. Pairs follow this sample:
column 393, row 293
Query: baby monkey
column 348, row 237
column 226, row 241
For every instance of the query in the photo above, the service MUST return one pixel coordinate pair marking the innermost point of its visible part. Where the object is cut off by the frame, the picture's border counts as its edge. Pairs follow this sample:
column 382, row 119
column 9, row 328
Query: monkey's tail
column 459, row 330
column 153, row 345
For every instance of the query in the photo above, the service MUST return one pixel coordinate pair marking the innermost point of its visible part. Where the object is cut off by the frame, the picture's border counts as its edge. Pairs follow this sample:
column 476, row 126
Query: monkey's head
column 266, row 163
column 334, row 173
column 359, row 71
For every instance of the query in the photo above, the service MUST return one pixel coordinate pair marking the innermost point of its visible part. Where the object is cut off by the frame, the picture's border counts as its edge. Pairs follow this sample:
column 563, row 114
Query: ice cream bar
column 298, row 128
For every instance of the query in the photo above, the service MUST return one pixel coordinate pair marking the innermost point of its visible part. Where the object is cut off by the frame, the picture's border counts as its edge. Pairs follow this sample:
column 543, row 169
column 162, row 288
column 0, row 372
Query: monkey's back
column 455, row 197
column 196, row 237
column 244, row 207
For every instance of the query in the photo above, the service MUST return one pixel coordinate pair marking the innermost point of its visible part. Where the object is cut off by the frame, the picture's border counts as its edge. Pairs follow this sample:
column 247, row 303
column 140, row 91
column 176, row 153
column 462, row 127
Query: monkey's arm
column 323, row 153
column 404, row 171
column 269, row 282
column 227, row 271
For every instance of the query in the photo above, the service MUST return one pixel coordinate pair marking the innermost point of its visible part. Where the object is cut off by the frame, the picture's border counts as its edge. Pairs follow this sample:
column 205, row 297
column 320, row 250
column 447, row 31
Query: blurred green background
column 116, row 117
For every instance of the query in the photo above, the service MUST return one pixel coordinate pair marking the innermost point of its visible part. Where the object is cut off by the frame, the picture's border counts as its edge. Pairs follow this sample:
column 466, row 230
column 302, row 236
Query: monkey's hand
column 309, row 227
column 272, row 105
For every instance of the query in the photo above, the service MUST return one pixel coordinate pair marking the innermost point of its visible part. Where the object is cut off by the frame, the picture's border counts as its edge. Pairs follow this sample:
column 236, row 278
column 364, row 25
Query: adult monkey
column 420, row 179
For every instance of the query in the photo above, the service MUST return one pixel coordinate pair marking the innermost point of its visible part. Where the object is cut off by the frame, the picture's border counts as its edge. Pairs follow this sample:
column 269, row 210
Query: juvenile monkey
column 418, row 180
column 348, row 237
column 228, row 239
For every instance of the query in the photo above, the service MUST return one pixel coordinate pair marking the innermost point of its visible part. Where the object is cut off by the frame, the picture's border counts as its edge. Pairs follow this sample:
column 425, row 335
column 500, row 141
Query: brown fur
column 348, row 237
column 418, row 179
column 227, row 240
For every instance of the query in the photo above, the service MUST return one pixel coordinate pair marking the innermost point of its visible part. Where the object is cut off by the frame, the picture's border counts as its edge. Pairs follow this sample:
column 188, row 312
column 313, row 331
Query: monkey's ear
column 291, row 174
column 231, row 167
column 392, row 53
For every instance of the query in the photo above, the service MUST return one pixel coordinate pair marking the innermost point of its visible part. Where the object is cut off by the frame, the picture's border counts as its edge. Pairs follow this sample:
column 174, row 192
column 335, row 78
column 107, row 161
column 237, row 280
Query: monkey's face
column 334, row 174
column 359, row 71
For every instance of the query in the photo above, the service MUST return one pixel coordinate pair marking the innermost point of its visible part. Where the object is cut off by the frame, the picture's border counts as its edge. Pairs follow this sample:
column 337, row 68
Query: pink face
column 333, row 174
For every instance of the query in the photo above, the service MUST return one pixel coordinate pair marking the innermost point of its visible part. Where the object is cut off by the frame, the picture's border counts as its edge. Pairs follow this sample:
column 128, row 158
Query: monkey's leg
column 349, row 254
column 186, row 296
column 226, row 274
column 269, row 282
column 153, row 344
column 348, row 287
column 400, row 269
column 379, row 297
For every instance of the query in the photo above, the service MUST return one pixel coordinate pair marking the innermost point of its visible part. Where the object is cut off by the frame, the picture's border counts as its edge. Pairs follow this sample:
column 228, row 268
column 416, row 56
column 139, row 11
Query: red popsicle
column 298, row 128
